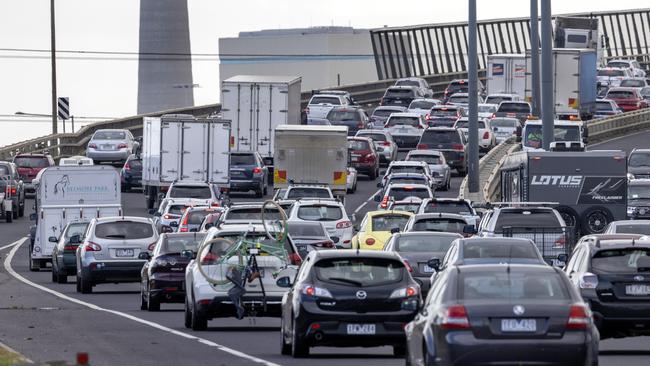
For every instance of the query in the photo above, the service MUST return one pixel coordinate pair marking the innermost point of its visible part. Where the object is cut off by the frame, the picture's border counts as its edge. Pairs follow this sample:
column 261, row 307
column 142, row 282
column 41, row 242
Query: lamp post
column 53, row 58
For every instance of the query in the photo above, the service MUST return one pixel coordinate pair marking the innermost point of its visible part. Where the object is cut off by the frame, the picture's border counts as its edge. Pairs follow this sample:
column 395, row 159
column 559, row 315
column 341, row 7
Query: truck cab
column 568, row 135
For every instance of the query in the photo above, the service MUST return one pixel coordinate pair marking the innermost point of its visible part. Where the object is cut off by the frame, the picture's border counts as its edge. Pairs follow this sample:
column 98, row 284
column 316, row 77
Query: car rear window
column 624, row 260
column 459, row 99
column 120, row 230
column 320, row 213
column 528, row 219
column 407, row 83
column 135, row 164
column 298, row 230
column 325, row 100
column 399, row 193
column 76, row 229
column 492, row 99
column 374, row 136
column 196, row 217
column 429, row 159
column 408, row 207
column 399, row 93
column 446, row 112
column 499, row 250
column 502, row 122
column 177, row 244
column 421, row 104
column 358, row 145
column 406, row 169
column 221, row 248
column 389, row 222
column 611, row 72
column 359, row 271
column 511, row 286
column 109, row 135
column 622, row 65
column 384, row 112
column 457, row 87
column 403, row 121
column 633, row 83
column 242, row 159
column 441, row 137
column 453, row 207
column 407, row 180
column 336, row 115
column 190, row 192
column 620, row 94
column 465, row 124
column 633, row 229
column 424, row 243
column 176, row 209
column 604, row 106
column 31, row 162
column 514, row 107
column 251, row 213
column 440, row 224
column 295, row 193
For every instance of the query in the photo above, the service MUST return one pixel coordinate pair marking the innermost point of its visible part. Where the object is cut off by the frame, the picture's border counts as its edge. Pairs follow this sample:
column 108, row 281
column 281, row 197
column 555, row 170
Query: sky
column 108, row 87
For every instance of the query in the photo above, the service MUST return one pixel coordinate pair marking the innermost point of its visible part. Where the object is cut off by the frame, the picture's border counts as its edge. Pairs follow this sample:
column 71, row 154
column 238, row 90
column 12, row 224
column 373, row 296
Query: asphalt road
column 46, row 321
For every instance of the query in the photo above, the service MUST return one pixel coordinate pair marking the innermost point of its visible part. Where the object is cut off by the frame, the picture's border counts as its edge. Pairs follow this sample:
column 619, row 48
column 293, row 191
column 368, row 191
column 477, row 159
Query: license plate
column 518, row 325
column 236, row 173
column 637, row 290
column 427, row 269
column 403, row 130
column 124, row 252
column 363, row 329
column 397, row 101
column 107, row 147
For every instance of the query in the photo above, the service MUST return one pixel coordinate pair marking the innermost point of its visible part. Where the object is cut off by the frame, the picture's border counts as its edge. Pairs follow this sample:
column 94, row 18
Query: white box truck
column 66, row 193
column 574, row 81
column 256, row 105
column 178, row 147
column 311, row 155
column 506, row 73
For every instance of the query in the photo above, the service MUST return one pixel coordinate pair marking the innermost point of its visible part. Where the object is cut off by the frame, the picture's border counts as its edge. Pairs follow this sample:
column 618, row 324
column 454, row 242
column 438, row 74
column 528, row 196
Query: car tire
column 86, row 285
column 188, row 314
column 199, row 321
column 55, row 274
column 448, row 185
column 21, row 210
column 78, row 284
column 259, row 193
column 373, row 174
column 61, row 278
column 9, row 217
column 399, row 351
column 266, row 190
column 14, row 212
column 285, row 348
column 298, row 347
column 143, row 304
column 152, row 304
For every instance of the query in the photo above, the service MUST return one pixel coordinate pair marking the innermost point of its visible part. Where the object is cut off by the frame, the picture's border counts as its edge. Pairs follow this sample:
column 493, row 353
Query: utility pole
column 473, row 177
column 534, row 56
column 548, row 110
column 53, row 57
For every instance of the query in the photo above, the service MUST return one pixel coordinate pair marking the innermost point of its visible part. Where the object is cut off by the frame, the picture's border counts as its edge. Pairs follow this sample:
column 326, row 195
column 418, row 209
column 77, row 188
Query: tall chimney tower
column 165, row 65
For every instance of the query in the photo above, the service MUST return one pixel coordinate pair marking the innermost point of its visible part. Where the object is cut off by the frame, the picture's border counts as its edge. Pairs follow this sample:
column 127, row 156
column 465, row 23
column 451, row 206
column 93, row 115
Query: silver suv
column 114, row 250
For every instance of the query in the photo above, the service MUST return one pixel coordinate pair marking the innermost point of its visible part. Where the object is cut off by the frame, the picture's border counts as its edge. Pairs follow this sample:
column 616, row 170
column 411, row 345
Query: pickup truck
column 320, row 104
column 12, row 192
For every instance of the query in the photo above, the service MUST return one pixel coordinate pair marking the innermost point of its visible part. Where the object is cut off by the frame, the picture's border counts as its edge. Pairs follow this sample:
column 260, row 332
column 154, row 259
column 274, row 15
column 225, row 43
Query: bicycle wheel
column 279, row 226
column 216, row 257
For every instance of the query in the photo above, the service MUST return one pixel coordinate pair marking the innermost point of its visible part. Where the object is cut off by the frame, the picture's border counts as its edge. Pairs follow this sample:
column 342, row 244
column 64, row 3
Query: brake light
column 384, row 202
column 92, row 146
column 405, row 292
column 214, row 204
column 313, row 291
column 257, row 170
column 295, row 259
column 127, row 167
column 494, row 115
column 454, row 317
column 422, row 146
column 70, row 247
column 579, row 317
column 10, row 190
column 486, row 135
column 385, row 143
column 122, row 146
column 457, row 147
column 151, row 246
column 324, row 244
column 370, row 241
column 427, row 116
column 559, row 243
column 209, row 258
column 232, row 141
column 408, row 265
column 183, row 229
column 169, row 216
column 93, row 247
column 343, row 225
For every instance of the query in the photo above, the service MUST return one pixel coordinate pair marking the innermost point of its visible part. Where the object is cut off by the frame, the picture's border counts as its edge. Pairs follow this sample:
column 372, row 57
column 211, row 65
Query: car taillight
column 93, row 146
column 10, row 190
column 122, row 146
column 257, row 170
column 183, row 229
column 70, row 247
column 427, row 116
column 408, row 265
column 324, row 244
column 422, row 146
column 384, row 202
column 579, row 317
column 215, row 204
column 151, row 246
column 295, row 259
column 93, row 247
column 127, row 167
column 486, row 135
column 457, row 147
column 209, row 258
column 313, row 291
column 343, row 225
column 168, row 217
column 454, row 317
column 559, row 243
column 370, row 241
column 369, row 158
column 385, row 143
column 404, row 292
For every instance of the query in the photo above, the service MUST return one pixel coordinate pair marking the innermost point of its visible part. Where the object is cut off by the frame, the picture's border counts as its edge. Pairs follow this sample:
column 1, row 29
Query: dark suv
column 29, row 165
column 638, row 164
column 354, row 118
column 450, row 142
column 400, row 96
column 12, row 190
column 518, row 110
column 460, row 86
column 248, row 173
column 611, row 273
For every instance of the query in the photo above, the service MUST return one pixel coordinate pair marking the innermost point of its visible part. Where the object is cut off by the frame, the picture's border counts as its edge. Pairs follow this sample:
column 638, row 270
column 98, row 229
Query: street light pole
column 548, row 111
column 534, row 56
column 472, row 166
column 53, row 57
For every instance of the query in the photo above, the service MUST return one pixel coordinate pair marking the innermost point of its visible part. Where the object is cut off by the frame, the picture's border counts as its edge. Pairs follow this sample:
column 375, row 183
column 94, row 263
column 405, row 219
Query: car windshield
column 423, row 243
column 527, row 219
column 403, row 121
column 408, row 207
column 176, row 209
column 109, row 135
column 604, row 106
column 325, row 100
column 76, row 229
column 196, row 216
column 242, row 159
column 496, row 99
column 251, row 213
column 388, row 222
column 477, row 250
column 441, row 224
column 359, row 271
column 120, row 230
column 454, row 207
column 502, row 122
column 406, row 169
column 384, row 112
column 177, row 244
column 633, row 83
column 514, row 107
column 295, row 193
column 446, row 112
column 639, row 159
column 441, row 137
column 620, row 94
column 511, row 286
column 462, row 123
column 399, row 93
column 201, row 192
column 638, row 192
column 373, row 136
column 611, row 72
column 336, row 115
column 407, row 83
column 320, row 213
column 358, row 145
column 429, row 159
column 625, row 260
column 533, row 134
column 421, row 104
column 306, row 230
column 31, row 162
column 401, row 193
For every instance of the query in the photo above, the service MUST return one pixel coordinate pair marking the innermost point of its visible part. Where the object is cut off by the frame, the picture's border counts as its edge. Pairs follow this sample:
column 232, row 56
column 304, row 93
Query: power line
column 130, row 53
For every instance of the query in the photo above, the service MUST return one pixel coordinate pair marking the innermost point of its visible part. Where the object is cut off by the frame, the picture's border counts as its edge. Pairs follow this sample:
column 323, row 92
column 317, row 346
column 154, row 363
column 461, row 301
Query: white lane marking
column 366, row 201
column 9, row 268
column 14, row 243
column 20, row 357
column 617, row 138
column 360, row 207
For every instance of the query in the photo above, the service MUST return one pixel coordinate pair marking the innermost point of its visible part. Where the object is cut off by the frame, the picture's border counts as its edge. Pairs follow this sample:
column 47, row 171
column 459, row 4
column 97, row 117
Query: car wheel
column 9, row 216
column 199, row 321
column 21, row 210
column 298, row 347
column 61, row 276
column 143, row 304
column 14, row 212
column 55, row 274
column 259, row 193
column 266, row 190
column 152, row 304
column 78, row 283
column 448, row 185
column 373, row 174
column 286, row 347
column 399, row 351
column 188, row 314
column 86, row 285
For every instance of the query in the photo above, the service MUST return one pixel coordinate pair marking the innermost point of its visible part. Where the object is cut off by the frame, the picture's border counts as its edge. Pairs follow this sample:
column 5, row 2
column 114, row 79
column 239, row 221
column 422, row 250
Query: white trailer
column 256, row 105
column 506, row 74
column 66, row 193
column 311, row 155
column 183, row 148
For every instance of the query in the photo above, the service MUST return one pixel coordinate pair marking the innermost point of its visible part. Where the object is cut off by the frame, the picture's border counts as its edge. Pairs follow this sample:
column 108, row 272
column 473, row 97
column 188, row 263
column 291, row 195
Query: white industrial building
column 322, row 56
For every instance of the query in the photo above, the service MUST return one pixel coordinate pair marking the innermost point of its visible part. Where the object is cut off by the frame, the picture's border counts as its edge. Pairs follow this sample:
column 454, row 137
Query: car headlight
column 630, row 210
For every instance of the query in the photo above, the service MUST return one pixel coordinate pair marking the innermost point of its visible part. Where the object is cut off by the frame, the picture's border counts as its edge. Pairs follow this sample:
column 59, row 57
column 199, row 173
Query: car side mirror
column 75, row 239
column 52, row 239
column 562, row 257
column 207, row 226
column 284, row 282
column 469, row 229
column 189, row 254
column 33, row 217
column 434, row 263
column 394, row 230
column 377, row 198
column 173, row 224
column 144, row 255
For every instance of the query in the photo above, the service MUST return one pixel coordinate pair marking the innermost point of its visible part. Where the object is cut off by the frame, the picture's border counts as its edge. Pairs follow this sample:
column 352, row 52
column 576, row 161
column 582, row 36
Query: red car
column 628, row 99
column 363, row 156
column 29, row 165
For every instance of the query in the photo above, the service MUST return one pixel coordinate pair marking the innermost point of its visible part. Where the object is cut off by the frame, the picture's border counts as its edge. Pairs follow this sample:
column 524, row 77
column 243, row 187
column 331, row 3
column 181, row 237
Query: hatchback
column 64, row 262
column 309, row 236
column 628, row 99
column 110, row 252
column 330, row 213
column 384, row 144
column 450, row 142
column 193, row 218
column 406, row 129
column 248, row 173
column 354, row 118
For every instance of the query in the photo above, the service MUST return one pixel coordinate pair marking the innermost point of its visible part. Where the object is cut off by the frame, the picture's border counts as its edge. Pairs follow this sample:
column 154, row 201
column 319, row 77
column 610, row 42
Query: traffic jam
column 247, row 217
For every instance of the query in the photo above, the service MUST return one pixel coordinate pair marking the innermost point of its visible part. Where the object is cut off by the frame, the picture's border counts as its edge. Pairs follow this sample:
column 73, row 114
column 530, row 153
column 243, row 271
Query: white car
column 406, row 167
column 497, row 98
column 486, row 110
column 641, row 227
column 440, row 171
column 632, row 65
column 504, row 128
column 298, row 191
column 330, row 213
column 612, row 76
column 456, row 206
column 486, row 138
column 423, row 105
column 384, row 144
column 419, row 83
column 406, row 129
column 320, row 104
column 351, row 180
column 461, row 99
column 170, row 211
column 401, row 192
column 197, row 191
column 440, row 222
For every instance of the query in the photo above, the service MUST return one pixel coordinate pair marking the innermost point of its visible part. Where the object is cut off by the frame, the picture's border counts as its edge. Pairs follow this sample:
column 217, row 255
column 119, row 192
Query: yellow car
column 375, row 229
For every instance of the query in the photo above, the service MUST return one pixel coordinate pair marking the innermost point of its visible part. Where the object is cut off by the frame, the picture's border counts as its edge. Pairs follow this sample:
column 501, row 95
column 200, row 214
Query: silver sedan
column 111, row 145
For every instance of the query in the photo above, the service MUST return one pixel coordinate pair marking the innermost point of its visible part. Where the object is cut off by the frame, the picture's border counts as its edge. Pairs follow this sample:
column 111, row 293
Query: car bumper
column 454, row 159
column 168, row 287
column 221, row 306
column 406, row 141
column 364, row 168
column 621, row 316
column 29, row 187
column 115, row 155
column 114, row 271
column 245, row 185
column 132, row 181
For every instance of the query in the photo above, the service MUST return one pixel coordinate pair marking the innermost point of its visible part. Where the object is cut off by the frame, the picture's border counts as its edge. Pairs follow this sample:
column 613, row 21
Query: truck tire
column 571, row 218
column 595, row 220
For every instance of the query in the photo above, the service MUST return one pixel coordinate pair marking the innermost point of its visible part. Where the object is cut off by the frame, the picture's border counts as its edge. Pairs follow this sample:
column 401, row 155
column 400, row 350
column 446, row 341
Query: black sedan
column 131, row 173
column 500, row 315
column 308, row 236
column 163, row 275
column 348, row 299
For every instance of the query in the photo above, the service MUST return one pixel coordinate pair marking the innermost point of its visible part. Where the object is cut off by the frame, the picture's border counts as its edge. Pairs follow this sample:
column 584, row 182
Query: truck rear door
column 219, row 166
column 193, row 164
column 170, row 153
column 273, row 111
